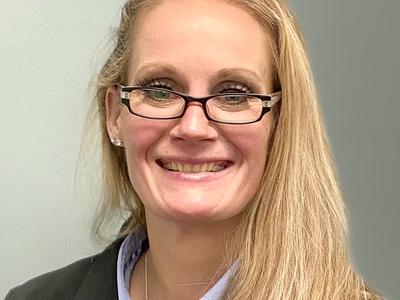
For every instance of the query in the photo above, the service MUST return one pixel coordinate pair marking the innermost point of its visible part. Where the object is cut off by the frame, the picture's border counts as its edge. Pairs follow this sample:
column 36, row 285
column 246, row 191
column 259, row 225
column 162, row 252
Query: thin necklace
column 145, row 279
column 145, row 275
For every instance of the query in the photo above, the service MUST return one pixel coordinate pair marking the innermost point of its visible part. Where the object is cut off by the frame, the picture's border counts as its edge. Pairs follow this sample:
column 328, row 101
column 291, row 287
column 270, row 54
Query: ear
column 113, row 112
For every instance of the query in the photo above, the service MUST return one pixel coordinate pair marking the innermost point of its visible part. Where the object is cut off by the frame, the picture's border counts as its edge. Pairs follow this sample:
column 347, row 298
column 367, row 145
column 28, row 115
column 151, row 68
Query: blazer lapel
column 100, row 282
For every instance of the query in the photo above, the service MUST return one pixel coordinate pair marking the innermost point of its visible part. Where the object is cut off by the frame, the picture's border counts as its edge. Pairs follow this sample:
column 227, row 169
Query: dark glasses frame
column 267, row 100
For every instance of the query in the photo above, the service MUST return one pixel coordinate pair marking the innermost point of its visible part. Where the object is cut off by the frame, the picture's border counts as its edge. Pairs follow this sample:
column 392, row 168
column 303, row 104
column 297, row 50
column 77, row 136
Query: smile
column 216, row 166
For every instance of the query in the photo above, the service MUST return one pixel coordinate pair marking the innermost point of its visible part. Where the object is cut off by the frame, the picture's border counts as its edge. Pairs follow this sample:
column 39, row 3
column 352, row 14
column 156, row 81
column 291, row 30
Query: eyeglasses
column 227, row 108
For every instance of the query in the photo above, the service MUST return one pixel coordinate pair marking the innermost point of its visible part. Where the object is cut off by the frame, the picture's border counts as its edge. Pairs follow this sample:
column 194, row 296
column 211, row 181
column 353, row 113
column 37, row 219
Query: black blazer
column 91, row 278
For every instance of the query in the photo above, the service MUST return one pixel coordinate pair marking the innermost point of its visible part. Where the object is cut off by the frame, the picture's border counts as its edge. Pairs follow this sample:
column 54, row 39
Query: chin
column 201, row 209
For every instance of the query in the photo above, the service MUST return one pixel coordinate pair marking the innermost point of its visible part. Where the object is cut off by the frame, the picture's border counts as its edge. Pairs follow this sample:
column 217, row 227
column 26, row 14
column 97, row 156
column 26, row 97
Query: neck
column 184, row 261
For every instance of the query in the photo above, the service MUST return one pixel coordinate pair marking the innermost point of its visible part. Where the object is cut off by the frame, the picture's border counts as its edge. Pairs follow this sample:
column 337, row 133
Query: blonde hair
column 292, row 238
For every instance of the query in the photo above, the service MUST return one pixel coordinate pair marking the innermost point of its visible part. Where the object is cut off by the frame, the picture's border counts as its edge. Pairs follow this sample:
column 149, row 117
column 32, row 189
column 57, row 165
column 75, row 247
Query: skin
column 193, row 43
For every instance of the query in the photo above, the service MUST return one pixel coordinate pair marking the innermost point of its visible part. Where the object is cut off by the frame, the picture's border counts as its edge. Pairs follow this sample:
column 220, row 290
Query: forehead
column 199, row 38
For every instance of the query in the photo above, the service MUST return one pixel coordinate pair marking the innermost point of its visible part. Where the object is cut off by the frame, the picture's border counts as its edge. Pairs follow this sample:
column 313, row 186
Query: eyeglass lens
column 225, row 108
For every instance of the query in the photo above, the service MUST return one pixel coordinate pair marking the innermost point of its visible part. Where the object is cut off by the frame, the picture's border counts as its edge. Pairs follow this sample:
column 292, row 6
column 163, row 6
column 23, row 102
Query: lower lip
column 194, row 177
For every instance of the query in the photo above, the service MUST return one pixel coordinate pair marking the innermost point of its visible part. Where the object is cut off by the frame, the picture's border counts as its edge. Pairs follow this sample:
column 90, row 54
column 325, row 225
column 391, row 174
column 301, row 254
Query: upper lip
column 193, row 161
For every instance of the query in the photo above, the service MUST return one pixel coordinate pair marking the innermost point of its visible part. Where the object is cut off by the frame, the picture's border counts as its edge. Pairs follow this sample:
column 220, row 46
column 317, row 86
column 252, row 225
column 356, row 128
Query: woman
column 213, row 143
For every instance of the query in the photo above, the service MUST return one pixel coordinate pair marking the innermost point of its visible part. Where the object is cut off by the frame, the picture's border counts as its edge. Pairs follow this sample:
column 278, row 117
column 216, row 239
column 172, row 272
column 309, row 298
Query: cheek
column 139, row 136
column 255, row 152
column 252, row 140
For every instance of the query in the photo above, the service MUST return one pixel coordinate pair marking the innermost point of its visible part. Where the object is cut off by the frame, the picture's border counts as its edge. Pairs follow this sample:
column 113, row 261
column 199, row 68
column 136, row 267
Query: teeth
column 194, row 168
column 178, row 167
column 217, row 168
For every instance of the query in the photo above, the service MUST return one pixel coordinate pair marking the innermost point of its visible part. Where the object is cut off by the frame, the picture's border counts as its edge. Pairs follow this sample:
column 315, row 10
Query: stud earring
column 116, row 141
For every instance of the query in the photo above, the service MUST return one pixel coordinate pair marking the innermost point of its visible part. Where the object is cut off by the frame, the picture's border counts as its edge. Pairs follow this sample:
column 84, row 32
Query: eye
column 233, row 103
column 159, row 95
column 233, row 87
column 235, row 100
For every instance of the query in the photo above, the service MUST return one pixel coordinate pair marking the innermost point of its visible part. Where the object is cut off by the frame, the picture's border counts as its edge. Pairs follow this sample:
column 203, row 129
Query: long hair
column 291, row 241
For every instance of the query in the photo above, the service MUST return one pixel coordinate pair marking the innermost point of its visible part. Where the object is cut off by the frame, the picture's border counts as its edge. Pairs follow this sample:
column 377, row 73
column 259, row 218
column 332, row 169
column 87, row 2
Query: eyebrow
column 229, row 72
column 157, row 68
column 248, row 76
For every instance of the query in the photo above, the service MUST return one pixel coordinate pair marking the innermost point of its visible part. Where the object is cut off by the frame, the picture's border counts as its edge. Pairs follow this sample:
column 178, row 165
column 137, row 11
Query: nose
column 194, row 125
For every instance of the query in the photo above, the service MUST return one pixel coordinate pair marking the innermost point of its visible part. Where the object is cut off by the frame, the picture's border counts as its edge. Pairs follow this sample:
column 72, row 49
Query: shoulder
column 75, row 279
column 59, row 284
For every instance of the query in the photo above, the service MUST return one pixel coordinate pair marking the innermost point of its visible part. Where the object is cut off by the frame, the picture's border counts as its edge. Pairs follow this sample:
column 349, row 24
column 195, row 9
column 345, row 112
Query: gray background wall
column 355, row 47
column 49, row 51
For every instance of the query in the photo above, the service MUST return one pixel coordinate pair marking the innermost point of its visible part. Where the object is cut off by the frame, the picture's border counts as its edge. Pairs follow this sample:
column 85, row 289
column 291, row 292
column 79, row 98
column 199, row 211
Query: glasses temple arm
column 275, row 97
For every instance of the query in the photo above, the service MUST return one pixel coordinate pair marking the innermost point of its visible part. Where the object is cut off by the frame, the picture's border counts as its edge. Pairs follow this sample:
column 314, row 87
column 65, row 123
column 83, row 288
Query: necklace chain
column 145, row 276
column 145, row 279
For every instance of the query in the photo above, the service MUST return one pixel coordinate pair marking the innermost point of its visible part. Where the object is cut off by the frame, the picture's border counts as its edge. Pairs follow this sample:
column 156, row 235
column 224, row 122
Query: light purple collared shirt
column 132, row 248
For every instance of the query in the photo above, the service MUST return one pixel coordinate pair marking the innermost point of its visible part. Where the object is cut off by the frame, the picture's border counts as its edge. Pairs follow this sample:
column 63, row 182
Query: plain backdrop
column 49, row 51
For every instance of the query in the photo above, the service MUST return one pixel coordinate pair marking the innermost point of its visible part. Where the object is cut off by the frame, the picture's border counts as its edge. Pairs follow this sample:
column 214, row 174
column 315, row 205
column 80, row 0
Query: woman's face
column 199, row 48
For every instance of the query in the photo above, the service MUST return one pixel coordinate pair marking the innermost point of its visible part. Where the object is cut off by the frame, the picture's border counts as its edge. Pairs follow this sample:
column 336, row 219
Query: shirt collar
column 132, row 248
